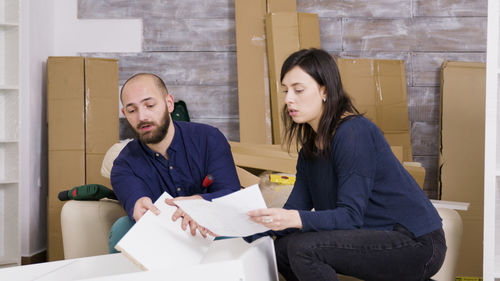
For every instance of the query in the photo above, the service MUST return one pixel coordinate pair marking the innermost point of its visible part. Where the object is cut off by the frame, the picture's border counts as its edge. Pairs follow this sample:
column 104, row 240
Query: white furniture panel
column 491, row 250
column 9, row 133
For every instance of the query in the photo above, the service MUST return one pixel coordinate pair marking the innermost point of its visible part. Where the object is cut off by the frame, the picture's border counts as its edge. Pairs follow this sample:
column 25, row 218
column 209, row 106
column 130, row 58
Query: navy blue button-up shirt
column 197, row 150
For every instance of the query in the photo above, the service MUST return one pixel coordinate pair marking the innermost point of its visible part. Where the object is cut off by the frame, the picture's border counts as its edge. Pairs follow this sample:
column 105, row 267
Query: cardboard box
column 284, row 31
column 308, row 31
column 82, row 114
column 378, row 89
column 253, row 81
column 461, row 153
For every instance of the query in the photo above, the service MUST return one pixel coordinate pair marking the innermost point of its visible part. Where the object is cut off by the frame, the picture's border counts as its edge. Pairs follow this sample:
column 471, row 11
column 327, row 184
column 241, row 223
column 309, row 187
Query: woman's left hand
column 276, row 218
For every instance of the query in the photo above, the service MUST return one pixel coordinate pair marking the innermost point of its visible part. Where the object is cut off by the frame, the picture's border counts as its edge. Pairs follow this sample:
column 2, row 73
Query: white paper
column 157, row 242
column 227, row 215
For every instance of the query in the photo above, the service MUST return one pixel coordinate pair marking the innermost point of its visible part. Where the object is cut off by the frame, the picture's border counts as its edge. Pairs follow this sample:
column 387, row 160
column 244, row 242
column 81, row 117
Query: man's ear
column 170, row 102
column 123, row 111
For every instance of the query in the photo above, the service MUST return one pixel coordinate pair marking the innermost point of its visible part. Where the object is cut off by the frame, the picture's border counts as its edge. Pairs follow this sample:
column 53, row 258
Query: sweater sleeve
column 354, row 159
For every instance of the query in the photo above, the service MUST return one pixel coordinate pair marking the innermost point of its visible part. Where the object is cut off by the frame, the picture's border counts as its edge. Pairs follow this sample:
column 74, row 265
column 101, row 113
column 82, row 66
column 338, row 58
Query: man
column 175, row 157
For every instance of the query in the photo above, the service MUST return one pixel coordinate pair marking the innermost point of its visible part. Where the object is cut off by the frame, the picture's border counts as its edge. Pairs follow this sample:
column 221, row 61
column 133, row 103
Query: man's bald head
column 160, row 85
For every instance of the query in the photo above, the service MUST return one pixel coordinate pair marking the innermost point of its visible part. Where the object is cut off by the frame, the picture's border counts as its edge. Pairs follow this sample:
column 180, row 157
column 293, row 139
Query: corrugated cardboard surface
column 101, row 121
column 286, row 32
column 82, row 103
column 462, row 153
column 378, row 89
column 308, row 31
column 282, row 33
column 281, row 6
column 64, row 103
column 253, row 81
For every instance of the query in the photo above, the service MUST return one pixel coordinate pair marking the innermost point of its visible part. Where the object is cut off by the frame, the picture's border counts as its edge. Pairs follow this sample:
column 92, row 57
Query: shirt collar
column 174, row 146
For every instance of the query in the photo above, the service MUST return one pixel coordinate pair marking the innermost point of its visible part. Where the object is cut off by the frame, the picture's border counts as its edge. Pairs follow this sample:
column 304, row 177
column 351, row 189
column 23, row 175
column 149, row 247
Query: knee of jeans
column 300, row 246
column 118, row 230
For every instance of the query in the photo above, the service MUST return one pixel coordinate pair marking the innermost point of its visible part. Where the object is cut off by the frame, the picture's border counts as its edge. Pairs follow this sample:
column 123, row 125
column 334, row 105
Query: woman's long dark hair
column 321, row 67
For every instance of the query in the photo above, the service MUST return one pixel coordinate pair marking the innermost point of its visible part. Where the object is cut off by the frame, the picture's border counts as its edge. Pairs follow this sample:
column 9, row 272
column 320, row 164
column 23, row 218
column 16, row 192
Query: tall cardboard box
column 378, row 89
column 253, row 81
column 286, row 33
column 82, row 114
column 461, row 153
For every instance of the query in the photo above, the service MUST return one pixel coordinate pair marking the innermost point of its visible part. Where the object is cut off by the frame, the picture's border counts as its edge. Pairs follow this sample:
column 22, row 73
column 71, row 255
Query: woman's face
column 303, row 97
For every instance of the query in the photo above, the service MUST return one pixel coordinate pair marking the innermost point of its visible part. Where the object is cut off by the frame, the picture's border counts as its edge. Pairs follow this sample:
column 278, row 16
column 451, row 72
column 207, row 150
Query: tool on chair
column 87, row 192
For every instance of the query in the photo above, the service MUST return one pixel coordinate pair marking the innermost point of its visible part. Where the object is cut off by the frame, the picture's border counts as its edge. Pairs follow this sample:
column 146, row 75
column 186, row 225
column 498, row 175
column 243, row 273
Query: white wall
column 50, row 28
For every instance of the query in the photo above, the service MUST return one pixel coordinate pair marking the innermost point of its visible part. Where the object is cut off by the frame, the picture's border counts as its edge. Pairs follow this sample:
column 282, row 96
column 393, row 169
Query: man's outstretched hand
column 142, row 205
column 186, row 219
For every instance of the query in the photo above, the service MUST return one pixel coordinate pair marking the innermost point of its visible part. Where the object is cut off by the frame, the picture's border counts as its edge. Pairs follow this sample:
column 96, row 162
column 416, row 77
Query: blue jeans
column 365, row 254
column 118, row 230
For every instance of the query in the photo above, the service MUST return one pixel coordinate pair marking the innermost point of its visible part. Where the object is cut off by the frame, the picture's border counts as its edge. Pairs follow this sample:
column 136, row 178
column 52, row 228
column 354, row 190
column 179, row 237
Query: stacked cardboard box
column 378, row 89
column 277, row 25
column 82, row 114
column 461, row 153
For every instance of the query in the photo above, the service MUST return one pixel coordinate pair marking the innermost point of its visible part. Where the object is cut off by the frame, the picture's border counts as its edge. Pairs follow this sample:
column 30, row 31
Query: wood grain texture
column 361, row 34
column 181, row 9
column 330, row 30
column 188, row 34
column 423, row 104
column 229, row 127
column 179, row 68
column 427, row 66
column 356, row 8
column 208, row 101
column 424, row 138
column 430, row 164
column 459, row 34
column 450, row 8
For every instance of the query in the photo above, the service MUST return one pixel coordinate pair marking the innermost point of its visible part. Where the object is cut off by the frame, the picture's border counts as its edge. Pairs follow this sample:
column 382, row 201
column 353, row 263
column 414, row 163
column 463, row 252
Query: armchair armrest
column 86, row 225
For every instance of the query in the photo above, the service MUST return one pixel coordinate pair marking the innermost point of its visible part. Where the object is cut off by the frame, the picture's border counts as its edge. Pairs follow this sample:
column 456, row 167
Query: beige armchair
column 86, row 224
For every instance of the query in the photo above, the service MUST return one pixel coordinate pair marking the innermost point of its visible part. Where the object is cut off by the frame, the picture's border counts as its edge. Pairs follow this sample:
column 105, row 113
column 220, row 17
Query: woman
column 370, row 220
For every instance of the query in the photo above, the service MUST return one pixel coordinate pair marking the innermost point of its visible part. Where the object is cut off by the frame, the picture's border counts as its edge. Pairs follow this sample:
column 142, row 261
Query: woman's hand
column 276, row 218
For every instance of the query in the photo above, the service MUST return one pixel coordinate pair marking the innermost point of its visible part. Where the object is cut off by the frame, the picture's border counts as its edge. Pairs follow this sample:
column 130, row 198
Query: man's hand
column 142, row 205
column 186, row 219
column 276, row 218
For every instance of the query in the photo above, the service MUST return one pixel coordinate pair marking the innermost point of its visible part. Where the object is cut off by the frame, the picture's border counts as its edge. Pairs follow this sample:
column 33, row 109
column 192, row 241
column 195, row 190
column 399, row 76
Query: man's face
column 147, row 109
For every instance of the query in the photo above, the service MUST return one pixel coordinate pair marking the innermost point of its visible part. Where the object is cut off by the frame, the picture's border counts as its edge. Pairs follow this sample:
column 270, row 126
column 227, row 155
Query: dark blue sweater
column 361, row 185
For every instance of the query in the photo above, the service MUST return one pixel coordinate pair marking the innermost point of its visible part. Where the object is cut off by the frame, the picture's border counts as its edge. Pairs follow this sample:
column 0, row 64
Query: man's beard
column 155, row 135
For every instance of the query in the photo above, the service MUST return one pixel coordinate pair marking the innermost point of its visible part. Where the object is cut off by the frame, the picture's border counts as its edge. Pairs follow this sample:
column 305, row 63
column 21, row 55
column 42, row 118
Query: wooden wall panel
column 430, row 164
column 427, row 66
column 424, row 138
column 330, row 30
column 458, row 34
column 423, row 104
column 179, row 68
column 353, row 8
column 208, row 101
column 188, row 34
column 181, row 9
column 450, row 8
column 375, row 34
